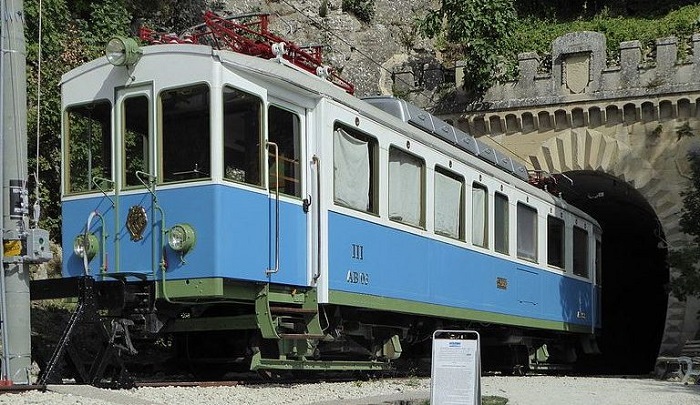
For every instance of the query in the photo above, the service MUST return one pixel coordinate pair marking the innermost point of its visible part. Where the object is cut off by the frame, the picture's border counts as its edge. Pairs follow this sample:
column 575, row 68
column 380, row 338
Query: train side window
column 185, row 134
column 89, row 146
column 355, row 174
column 284, row 129
column 527, row 232
column 598, row 262
column 242, row 136
column 449, row 190
column 480, row 215
column 500, row 205
column 136, row 139
column 406, row 188
column 580, row 252
column 556, row 255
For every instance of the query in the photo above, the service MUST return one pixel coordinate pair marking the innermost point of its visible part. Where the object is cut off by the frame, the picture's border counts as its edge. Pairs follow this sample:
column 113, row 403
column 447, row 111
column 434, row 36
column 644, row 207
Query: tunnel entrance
column 635, row 269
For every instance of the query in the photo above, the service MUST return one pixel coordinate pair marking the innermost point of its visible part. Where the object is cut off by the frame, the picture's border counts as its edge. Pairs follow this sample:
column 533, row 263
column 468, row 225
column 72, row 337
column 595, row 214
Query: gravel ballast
column 531, row 390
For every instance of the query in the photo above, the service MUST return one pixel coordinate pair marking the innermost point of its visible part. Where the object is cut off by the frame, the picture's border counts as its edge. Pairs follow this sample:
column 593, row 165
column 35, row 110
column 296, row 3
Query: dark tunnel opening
column 635, row 270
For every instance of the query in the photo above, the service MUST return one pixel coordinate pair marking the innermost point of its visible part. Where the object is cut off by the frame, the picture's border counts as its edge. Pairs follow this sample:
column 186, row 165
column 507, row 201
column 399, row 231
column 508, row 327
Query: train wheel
column 210, row 356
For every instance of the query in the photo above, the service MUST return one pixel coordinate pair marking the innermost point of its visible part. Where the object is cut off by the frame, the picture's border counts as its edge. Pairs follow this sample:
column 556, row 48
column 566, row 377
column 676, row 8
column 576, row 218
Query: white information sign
column 455, row 368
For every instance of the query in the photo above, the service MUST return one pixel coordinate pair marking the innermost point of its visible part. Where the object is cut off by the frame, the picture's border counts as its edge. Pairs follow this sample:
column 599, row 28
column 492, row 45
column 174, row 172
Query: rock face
column 366, row 54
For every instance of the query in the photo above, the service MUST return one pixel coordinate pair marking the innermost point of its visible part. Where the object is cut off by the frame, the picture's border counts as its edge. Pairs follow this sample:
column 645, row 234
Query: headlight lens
column 182, row 238
column 85, row 245
column 122, row 51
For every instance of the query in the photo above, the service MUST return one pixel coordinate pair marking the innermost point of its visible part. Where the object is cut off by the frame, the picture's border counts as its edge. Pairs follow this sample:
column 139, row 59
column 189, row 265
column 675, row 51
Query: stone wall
column 636, row 121
column 582, row 91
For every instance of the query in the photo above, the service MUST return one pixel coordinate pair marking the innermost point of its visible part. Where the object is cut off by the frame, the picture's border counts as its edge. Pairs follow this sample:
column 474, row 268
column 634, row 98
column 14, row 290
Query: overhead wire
column 393, row 74
column 353, row 48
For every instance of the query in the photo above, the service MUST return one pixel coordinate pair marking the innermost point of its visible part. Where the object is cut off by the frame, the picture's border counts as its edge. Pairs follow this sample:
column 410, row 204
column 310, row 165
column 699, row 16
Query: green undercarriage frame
column 274, row 303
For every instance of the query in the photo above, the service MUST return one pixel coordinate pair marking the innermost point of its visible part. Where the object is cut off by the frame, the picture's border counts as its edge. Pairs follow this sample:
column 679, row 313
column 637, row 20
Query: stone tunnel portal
column 635, row 269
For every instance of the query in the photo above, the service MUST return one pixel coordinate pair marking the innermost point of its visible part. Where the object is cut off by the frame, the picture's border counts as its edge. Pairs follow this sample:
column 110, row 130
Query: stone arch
column 496, row 125
column 595, row 117
column 649, row 112
column 612, row 114
column 544, row 121
column 586, row 149
column 578, row 118
column 630, row 113
column 561, row 120
column 666, row 110
column 528, row 122
column 512, row 124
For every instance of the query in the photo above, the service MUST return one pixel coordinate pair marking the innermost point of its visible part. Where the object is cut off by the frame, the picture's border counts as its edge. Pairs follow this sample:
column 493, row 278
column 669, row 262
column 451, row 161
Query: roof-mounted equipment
column 249, row 34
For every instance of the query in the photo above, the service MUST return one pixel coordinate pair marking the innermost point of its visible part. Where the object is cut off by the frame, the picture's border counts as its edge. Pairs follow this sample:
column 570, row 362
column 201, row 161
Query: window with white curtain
column 480, row 215
column 353, row 170
column 448, row 203
column 405, row 187
column 527, row 232
column 500, row 215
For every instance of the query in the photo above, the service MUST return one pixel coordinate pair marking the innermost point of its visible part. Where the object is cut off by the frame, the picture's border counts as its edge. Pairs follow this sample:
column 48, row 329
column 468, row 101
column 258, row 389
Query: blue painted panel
column 75, row 215
column 528, row 286
column 404, row 265
column 233, row 234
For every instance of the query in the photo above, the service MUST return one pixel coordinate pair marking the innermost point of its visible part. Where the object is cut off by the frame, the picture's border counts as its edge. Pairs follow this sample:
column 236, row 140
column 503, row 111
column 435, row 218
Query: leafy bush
column 537, row 35
column 362, row 9
column 491, row 35
column 74, row 32
column 686, row 259
column 483, row 28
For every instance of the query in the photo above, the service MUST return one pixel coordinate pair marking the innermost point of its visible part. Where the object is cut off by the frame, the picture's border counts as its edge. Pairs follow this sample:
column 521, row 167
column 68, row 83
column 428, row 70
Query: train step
column 292, row 310
column 300, row 336
column 289, row 315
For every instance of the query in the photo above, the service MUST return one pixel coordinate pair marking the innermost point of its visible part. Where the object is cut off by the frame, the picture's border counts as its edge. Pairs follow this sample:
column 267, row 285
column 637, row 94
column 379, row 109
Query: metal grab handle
column 269, row 144
column 317, row 162
column 99, row 187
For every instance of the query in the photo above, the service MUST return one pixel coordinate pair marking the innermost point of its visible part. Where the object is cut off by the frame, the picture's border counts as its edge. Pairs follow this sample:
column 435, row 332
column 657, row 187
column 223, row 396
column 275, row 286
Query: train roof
column 285, row 75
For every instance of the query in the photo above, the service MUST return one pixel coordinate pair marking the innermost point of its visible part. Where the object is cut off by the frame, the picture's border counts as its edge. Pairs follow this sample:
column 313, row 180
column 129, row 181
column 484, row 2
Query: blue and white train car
column 275, row 220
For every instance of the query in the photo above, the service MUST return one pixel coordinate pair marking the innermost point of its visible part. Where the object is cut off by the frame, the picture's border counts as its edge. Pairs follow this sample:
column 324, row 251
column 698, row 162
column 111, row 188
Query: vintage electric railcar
column 262, row 216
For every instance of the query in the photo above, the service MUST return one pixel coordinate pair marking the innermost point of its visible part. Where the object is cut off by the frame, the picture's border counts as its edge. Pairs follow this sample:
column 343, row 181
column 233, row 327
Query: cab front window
column 242, row 136
column 89, row 147
column 185, row 138
column 136, row 139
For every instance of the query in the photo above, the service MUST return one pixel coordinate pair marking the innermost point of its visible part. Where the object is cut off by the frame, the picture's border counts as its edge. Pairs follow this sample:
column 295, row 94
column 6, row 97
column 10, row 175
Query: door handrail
column 276, row 269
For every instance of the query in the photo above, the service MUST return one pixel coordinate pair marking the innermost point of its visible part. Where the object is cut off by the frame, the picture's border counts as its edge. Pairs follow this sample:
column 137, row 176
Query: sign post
column 455, row 368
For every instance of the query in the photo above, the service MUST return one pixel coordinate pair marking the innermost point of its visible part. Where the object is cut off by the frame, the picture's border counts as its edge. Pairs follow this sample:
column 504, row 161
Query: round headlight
column 85, row 245
column 181, row 238
column 122, row 51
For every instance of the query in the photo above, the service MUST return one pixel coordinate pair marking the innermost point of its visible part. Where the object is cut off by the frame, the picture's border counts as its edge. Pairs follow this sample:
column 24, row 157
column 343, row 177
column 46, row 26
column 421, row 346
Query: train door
column 134, row 206
column 286, row 151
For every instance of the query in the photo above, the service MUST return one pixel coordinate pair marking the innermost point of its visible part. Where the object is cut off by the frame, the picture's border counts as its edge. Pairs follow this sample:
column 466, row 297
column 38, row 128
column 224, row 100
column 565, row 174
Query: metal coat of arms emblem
column 136, row 222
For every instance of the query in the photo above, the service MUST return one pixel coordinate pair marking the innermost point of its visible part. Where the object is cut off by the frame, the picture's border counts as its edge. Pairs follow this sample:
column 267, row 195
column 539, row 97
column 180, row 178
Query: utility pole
column 20, row 244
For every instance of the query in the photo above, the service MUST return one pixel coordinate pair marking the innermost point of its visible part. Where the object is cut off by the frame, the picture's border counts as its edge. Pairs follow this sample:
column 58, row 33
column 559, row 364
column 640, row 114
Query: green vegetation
column 74, row 32
column 491, row 33
column 493, row 400
column 686, row 260
column 483, row 30
column 684, row 131
column 362, row 9
column 534, row 34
